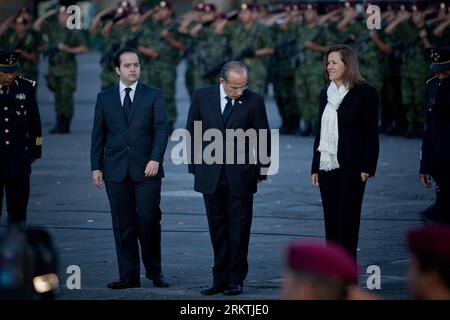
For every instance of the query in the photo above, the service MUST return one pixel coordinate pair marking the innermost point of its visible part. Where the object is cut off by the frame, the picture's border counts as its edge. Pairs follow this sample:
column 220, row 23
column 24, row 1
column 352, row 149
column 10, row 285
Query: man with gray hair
column 228, row 187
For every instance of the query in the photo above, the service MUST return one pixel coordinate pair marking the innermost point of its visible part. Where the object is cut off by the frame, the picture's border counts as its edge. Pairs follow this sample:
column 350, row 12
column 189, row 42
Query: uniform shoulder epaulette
column 32, row 82
column 432, row 78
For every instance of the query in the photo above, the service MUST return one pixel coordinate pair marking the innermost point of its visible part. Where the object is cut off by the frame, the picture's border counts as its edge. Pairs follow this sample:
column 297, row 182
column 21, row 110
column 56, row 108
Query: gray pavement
column 287, row 207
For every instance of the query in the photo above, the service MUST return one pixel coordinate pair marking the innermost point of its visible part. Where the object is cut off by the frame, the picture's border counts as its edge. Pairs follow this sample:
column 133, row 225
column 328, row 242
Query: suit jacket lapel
column 117, row 103
column 216, row 107
column 238, row 107
column 136, row 100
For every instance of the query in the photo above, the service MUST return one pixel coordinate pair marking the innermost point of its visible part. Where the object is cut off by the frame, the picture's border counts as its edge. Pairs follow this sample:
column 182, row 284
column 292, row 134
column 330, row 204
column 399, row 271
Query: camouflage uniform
column 254, row 38
column 309, row 75
column 163, row 69
column 414, row 71
column 28, row 43
column 62, row 68
column 112, row 44
column 212, row 50
column 369, row 57
column 283, row 70
column 189, row 55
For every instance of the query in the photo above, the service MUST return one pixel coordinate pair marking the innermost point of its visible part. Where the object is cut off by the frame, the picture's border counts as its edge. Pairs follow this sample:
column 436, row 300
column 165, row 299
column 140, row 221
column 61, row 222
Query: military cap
column 210, row 7
column 310, row 6
column 328, row 261
column 294, row 7
column 331, row 7
column 9, row 61
column 440, row 58
column 25, row 10
column 199, row 6
column 248, row 6
column 165, row 4
column 418, row 6
column 121, row 12
column 432, row 240
column 21, row 20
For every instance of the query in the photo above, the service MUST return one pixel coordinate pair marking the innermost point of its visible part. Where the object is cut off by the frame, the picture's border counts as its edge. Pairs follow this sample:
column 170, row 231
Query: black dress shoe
column 212, row 290
column 233, row 290
column 124, row 284
column 160, row 281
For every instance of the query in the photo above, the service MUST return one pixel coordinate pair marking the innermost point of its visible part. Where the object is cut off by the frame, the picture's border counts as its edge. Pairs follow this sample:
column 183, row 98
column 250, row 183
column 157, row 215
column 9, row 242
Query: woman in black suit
column 346, row 149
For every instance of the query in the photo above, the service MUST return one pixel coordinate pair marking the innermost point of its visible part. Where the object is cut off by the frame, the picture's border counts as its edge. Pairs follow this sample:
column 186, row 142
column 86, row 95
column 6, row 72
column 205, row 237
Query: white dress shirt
column 223, row 100
column 122, row 88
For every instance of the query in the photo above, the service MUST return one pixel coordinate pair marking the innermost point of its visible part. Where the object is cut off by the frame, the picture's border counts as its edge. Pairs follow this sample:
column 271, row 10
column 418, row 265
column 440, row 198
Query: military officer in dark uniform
column 435, row 158
column 20, row 137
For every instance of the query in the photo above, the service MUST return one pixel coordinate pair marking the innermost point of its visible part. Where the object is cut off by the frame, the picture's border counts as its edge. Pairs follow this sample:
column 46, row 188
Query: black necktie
column 127, row 102
column 227, row 111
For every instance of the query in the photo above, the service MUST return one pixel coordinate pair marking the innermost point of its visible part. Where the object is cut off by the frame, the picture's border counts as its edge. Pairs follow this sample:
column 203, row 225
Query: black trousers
column 342, row 192
column 441, row 175
column 17, row 191
column 136, row 216
column 229, row 221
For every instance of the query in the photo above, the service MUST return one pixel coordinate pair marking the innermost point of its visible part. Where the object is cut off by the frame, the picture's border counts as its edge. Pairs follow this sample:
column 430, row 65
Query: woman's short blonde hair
column 349, row 57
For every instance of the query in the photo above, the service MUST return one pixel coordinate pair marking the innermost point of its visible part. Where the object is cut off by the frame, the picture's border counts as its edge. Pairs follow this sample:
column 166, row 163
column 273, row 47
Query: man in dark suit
column 129, row 138
column 20, row 137
column 228, row 188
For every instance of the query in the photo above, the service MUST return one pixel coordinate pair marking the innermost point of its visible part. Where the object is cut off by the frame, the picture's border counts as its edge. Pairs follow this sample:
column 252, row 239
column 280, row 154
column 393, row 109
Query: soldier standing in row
column 309, row 79
column 250, row 42
column 283, row 69
column 411, row 28
column 24, row 42
column 62, row 47
column 166, row 43
column 20, row 137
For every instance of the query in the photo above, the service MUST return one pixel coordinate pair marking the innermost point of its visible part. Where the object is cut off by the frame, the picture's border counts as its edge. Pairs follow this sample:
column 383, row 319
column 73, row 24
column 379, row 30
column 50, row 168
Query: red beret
column 165, row 4
column 330, row 260
column 310, row 6
column 199, row 6
column 248, row 6
column 432, row 239
column 210, row 7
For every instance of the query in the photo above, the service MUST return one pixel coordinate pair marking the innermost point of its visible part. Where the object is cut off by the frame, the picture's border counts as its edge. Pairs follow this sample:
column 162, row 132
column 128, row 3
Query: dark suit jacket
column 249, row 112
column 358, row 143
column 120, row 146
column 436, row 138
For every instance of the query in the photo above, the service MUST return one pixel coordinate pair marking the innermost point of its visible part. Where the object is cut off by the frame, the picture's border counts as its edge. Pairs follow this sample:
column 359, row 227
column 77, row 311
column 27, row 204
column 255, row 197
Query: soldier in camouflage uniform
column 191, row 54
column 165, row 41
column 211, row 47
column 411, row 29
column 250, row 42
column 283, row 70
column 62, row 46
column 24, row 41
column 309, row 78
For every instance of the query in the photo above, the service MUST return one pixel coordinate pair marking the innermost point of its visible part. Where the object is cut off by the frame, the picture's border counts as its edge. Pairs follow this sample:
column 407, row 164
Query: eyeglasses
column 235, row 89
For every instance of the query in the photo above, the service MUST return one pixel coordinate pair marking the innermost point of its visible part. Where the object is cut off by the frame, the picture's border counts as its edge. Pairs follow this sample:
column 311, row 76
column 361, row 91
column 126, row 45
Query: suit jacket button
column 7, row 143
column 128, row 148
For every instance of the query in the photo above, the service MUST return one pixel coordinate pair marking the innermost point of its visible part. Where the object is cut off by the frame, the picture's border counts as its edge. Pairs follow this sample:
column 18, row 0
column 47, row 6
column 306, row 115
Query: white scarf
column 329, row 133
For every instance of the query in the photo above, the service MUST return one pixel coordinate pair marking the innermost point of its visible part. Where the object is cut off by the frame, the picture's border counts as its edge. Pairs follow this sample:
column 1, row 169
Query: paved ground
column 286, row 208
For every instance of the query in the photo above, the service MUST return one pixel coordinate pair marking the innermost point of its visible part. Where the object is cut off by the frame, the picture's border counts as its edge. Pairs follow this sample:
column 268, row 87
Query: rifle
column 108, row 56
column 133, row 42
